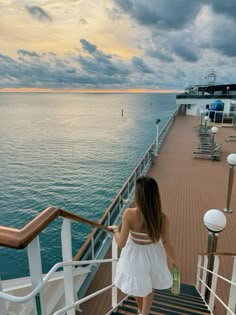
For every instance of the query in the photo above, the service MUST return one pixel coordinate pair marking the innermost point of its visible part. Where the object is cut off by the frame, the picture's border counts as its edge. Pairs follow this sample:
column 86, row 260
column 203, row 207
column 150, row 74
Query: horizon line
column 47, row 90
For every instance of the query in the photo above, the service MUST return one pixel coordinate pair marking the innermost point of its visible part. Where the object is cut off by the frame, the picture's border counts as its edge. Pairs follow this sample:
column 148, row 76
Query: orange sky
column 42, row 90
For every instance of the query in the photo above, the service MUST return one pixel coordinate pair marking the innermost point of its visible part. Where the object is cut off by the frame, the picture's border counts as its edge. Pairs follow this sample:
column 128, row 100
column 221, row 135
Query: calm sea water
column 73, row 151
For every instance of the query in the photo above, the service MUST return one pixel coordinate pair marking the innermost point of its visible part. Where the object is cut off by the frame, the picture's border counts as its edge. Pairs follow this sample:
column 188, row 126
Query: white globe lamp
column 214, row 220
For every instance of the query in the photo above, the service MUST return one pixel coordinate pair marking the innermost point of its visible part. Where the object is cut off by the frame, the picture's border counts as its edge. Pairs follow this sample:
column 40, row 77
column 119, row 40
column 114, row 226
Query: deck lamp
column 215, row 222
column 231, row 159
column 214, row 131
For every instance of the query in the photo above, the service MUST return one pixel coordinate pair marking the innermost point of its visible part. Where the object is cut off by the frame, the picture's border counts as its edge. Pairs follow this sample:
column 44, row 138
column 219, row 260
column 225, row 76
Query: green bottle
column 176, row 281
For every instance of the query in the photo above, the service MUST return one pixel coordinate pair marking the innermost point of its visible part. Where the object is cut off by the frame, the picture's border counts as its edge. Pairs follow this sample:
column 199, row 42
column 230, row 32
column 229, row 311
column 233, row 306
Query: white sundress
column 142, row 268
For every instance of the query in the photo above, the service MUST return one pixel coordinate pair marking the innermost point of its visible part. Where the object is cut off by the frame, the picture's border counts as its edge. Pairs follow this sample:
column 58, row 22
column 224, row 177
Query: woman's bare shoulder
column 130, row 211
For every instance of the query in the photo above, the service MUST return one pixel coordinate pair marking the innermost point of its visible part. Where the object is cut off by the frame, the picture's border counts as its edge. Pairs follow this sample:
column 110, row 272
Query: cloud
column 72, row 71
column 38, row 13
column 164, row 14
column 24, row 52
column 139, row 64
column 88, row 46
column 227, row 8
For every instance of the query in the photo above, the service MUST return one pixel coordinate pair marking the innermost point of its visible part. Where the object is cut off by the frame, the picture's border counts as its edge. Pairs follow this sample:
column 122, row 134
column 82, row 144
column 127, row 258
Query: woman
column 144, row 239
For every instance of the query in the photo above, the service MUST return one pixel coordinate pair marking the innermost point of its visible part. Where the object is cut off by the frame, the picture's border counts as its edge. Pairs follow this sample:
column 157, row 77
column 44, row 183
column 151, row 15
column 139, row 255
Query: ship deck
column 189, row 187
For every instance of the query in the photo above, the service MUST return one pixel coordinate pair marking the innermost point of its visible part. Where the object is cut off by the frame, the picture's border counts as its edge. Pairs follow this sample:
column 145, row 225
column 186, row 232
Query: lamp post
column 214, row 131
column 215, row 221
column 231, row 159
column 157, row 136
column 206, row 118
column 201, row 114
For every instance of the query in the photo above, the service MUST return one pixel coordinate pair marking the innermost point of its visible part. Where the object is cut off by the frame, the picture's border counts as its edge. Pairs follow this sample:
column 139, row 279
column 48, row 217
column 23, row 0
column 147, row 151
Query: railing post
column 3, row 309
column 204, row 275
column 68, row 270
column 214, row 283
column 232, row 293
column 199, row 263
column 114, row 264
column 35, row 268
column 212, row 244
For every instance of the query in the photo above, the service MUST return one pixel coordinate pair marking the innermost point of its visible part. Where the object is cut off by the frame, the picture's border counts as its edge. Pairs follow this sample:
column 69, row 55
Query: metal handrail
column 218, row 298
column 208, row 287
column 48, row 276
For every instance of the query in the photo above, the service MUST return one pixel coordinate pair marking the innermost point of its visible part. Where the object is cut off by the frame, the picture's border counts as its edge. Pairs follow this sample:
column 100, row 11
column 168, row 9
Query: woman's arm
column 168, row 245
column 121, row 236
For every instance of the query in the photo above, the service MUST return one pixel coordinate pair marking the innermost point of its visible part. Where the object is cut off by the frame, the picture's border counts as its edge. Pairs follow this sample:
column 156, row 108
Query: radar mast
column 211, row 78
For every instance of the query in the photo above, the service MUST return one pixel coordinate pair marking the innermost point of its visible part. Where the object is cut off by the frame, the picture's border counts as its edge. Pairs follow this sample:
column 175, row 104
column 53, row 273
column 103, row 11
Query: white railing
column 217, row 116
column 206, row 282
column 70, row 300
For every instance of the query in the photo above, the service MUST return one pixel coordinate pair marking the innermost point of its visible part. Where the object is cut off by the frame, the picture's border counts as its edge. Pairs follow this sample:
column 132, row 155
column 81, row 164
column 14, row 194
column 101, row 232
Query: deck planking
column 189, row 187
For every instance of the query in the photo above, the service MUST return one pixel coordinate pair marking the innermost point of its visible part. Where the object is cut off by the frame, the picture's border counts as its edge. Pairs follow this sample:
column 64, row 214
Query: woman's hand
column 114, row 228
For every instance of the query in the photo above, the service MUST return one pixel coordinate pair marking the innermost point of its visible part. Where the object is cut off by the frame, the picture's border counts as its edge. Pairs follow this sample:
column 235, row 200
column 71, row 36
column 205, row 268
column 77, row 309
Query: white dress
column 142, row 268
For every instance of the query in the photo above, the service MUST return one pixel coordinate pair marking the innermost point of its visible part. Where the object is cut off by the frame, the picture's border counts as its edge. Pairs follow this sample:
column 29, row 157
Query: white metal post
column 114, row 264
column 214, row 283
column 36, row 275
column 68, row 270
column 230, row 184
column 204, row 275
column 199, row 263
column 232, row 293
column 3, row 309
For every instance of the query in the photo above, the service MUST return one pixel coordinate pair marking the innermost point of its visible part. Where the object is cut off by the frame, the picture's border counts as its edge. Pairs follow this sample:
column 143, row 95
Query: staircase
column 188, row 302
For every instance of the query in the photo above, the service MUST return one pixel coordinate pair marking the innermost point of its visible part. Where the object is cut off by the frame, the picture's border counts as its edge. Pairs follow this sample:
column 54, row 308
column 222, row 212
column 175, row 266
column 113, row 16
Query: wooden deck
column 189, row 187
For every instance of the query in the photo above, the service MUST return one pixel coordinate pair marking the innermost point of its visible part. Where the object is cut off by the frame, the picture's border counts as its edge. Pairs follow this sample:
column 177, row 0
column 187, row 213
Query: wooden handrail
column 20, row 238
column 218, row 254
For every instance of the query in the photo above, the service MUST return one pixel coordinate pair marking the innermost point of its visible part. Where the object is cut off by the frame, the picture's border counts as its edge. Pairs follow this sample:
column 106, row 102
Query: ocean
column 70, row 150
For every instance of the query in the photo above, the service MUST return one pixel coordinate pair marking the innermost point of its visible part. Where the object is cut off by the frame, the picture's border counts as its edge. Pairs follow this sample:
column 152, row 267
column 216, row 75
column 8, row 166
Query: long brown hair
column 148, row 201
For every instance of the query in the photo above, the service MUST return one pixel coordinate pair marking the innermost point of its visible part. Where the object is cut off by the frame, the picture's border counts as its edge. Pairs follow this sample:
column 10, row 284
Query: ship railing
column 123, row 199
column 19, row 239
column 207, row 281
column 95, row 246
column 217, row 117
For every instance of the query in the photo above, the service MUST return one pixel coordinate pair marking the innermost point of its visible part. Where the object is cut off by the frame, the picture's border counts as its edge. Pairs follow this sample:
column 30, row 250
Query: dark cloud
column 88, row 46
column 160, row 54
column 223, row 39
column 38, row 13
column 227, row 7
column 96, row 70
column 164, row 14
column 24, row 52
column 139, row 64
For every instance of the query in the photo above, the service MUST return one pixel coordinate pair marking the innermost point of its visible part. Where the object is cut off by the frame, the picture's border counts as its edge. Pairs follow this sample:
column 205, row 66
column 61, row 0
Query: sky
column 98, row 45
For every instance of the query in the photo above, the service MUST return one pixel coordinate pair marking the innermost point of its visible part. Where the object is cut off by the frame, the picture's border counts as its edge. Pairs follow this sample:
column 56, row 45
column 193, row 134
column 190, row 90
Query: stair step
column 168, row 307
column 188, row 302
column 181, row 303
